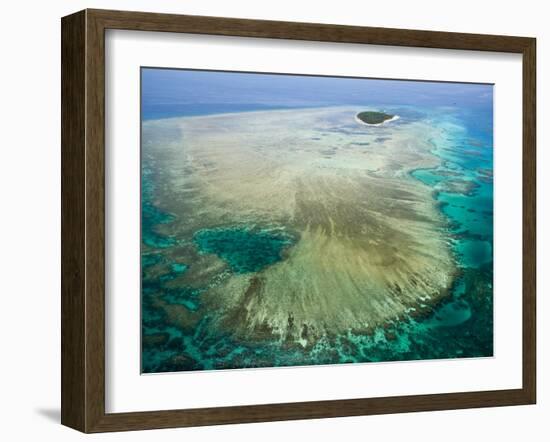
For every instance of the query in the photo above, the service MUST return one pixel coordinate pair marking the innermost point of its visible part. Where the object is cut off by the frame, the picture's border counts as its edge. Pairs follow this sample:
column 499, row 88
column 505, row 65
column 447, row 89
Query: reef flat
column 292, row 226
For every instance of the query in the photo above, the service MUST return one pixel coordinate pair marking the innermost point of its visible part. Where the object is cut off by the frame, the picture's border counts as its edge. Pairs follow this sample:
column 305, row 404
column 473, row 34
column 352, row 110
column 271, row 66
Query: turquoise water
column 244, row 249
column 151, row 217
column 462, row 186
column 465, row 154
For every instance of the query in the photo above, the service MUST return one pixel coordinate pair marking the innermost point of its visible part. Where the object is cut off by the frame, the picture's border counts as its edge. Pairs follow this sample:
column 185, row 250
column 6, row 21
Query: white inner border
column 127, row 390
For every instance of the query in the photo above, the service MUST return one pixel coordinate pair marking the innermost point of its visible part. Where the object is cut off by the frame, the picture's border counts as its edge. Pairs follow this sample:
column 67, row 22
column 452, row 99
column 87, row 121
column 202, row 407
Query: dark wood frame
column 83, row 217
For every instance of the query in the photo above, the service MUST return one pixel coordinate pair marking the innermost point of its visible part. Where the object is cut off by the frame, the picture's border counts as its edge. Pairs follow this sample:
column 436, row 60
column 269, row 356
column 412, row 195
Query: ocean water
column 169, row 93
column 462, row 188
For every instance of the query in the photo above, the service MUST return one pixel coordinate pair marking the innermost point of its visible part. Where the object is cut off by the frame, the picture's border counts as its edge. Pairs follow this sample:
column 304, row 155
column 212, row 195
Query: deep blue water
column 461, row 326
column 172, row 93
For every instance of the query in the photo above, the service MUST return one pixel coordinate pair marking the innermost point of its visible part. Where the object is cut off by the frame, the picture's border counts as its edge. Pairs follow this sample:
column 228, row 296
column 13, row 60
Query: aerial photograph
column 300, row 220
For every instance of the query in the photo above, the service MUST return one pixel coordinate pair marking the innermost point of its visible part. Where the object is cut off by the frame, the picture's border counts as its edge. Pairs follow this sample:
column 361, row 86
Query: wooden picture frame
column 83, row 220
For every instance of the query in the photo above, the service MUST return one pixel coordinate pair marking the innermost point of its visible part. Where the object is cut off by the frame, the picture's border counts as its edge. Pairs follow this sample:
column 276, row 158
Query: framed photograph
column 269, row 220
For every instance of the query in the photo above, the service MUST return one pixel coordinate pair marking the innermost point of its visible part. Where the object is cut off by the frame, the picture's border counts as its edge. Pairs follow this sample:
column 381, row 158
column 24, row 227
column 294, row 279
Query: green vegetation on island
column 374, row 117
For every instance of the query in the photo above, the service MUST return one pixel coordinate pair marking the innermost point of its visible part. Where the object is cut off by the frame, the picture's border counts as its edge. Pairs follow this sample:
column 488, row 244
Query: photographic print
column 296, row 220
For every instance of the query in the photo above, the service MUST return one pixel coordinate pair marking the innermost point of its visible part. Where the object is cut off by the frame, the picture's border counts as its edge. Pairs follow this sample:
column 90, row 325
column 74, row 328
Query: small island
column 374, row 118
